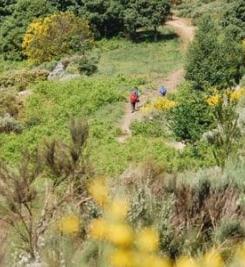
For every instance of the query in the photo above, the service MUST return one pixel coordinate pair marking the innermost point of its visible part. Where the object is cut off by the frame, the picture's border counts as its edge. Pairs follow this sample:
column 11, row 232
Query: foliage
column 105, row 17
column 14, row 26
column 214, row 60
column 149, row 60
column 225, row 137
column 234, row 18
column 87, row 65
column 21, row 207
column 21, row 79
column 6, row 8
column 145, row 14
column 9, row 124
column 191, row 117
column 56, row 35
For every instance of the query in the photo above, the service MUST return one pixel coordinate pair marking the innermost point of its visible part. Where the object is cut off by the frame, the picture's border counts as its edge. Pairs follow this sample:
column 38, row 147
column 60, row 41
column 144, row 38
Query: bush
column 9, row 124
column 54, row 36
column 214, row 59
column 87, row 65
column 21, row 79
column 14, row 26
column 191, row 117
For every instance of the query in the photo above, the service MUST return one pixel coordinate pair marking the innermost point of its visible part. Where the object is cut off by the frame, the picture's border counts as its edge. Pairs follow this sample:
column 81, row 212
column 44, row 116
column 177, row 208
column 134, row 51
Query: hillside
column 86, row 179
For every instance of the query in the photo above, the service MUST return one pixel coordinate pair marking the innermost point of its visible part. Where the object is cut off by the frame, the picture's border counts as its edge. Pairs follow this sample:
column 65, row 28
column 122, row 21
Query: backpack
column 163, row 91
column 133, row 97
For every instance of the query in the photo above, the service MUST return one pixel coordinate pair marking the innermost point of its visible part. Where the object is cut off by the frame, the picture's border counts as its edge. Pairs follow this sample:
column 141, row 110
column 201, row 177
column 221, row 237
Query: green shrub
column 214, row 59
column 22, row 78
column 87, row 66
column 191, row 117
column 9, row 124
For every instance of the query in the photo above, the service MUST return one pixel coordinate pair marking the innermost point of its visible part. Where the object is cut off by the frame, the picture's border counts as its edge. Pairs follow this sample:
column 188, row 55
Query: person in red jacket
column 134, row 99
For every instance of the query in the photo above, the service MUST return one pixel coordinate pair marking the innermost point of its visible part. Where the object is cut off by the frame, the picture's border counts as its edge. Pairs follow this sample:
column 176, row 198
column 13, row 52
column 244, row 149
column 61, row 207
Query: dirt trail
column 185, row 31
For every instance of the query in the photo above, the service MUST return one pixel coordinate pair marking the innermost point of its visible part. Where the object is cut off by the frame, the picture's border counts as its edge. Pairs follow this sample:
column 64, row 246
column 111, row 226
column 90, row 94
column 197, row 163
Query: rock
column 58, row 72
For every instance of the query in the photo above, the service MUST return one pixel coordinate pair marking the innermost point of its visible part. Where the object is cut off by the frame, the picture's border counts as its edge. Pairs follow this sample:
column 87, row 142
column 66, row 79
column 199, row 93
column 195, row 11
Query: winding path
column 185, row 31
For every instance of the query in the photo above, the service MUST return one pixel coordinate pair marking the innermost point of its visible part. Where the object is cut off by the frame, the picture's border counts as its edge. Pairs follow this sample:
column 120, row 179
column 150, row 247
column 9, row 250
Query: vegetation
column 14, row 26
column 214, row 60
column 83, row 182
column 54, row 36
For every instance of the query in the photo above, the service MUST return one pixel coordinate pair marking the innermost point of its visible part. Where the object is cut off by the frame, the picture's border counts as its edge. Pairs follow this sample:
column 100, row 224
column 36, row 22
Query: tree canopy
column 15, row 25
column 56, row 35
column 214, row 59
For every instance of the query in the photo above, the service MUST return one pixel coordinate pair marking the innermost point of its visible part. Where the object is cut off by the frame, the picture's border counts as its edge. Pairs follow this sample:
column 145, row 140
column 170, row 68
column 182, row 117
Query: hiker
column 134, row 98
column 163, row 91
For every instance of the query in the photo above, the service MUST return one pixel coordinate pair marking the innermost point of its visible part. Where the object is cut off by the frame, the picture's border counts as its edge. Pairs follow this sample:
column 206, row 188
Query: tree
column 234, row 18
column 56, row 35
column 105, row 17
column 6, row 8
column 15, row 25
column 65, row 5
column 146, row 14
column 214, row 59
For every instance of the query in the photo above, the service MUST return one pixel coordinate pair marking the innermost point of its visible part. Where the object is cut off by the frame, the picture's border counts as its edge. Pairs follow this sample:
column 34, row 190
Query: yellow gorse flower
column 98, row 189
column 122, row 258
column 117, row 210
column 98, row 229
column 186, row 262
column 212, row 258
column 236, row 95
column 214, row 100
column 147, row 240
column 120, row 234
column 69, row 225
column 164, row 104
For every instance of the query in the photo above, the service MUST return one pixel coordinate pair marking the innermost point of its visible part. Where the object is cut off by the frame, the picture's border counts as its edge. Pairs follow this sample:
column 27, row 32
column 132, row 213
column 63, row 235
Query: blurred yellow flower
column 69, row 225
column 120, row 234
column 212, row 258
column 213, row 100
column 164, row 104
column 118, row 209
column 236, row 95
column 99, row 191
column 240, row 255
column 147, row 240
column 98, row 229
column 186, row 262
column 122, row 258
column 146, row 260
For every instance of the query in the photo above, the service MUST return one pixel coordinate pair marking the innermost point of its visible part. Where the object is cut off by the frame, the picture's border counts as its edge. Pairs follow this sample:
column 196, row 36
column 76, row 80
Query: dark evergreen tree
column 105, row 16
column 146, row 14
column 6, row 8
column 214, row 59
column 234, row 19
column 15, row 25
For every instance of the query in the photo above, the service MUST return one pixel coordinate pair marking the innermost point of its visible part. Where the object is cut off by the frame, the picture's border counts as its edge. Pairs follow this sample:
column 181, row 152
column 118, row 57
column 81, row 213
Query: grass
column 100, row 99
column 145, row 59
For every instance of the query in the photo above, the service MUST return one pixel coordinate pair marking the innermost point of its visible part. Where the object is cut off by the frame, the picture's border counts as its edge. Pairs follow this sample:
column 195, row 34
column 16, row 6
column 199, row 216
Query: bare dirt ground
column 185, row 31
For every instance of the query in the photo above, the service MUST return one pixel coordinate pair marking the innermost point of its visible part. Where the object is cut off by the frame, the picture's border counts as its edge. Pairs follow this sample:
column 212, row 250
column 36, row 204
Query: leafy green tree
column 234, row 18
column 191, row 117
column 143, row 13
column 214, row 59
column 105, row 16
column 6, row 8
column 15, row 25
column 65, row 5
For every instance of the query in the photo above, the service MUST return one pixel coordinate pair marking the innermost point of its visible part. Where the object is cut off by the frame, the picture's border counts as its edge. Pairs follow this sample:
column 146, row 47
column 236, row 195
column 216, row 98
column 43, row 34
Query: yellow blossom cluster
column 214, row 100
column 160, row 104
column 127, row 247
column 69, row 225
column 54, row 36
column 236, row 95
